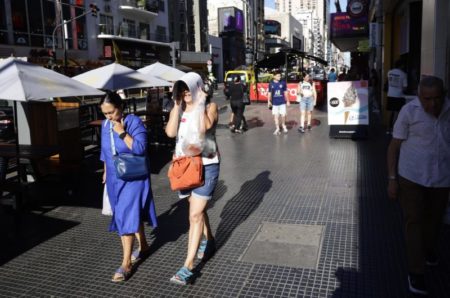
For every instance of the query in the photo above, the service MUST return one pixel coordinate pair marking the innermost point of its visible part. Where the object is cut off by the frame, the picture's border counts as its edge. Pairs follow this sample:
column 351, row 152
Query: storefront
column 416, row 33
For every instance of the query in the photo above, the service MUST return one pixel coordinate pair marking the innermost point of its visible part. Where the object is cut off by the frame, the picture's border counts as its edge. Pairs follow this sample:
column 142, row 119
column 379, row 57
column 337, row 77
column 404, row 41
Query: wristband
column 123, row 135
column 392, row 177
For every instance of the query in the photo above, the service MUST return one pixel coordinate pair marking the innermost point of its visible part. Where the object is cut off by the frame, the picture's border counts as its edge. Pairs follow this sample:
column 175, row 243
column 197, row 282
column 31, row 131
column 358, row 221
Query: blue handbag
column 129, row 167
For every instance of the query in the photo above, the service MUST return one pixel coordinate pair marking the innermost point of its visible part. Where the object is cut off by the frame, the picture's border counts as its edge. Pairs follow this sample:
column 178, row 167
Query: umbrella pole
column 18, row 196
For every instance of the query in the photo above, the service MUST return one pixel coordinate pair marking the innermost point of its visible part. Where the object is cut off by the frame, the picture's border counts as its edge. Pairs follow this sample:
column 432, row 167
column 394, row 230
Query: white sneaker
column 277, row 132
column 285, row 129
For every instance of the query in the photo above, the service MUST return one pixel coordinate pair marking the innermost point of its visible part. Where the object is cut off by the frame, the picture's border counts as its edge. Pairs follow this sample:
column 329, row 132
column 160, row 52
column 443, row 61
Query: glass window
column 49, row 22
column 131, row 27
column 143, row 30
column 19, row 20
column 35, row 20
column 161, row 5
column 2, row 15
column 3, row 28
column 161, row 33
column 106, row 24
column 80, row 28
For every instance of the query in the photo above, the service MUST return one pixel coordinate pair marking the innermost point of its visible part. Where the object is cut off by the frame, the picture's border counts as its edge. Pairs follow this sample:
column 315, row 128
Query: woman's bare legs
column 140, row 236
column 127, row 246
column 196, row 227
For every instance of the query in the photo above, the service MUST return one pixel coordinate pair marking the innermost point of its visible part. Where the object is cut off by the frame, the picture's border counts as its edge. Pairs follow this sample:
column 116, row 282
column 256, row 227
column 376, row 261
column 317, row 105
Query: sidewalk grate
column 290, row 245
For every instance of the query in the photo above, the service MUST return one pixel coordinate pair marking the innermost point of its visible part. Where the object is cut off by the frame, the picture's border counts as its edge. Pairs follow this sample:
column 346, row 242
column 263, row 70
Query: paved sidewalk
column 333, row 190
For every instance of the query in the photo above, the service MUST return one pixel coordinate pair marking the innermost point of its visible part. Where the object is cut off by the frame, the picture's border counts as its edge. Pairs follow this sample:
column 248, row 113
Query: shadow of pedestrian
column 254, row 122
column 175, row 221
column 239, row 208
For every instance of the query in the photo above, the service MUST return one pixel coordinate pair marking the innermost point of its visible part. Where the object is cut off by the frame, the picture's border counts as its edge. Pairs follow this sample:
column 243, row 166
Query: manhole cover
column 285, row 245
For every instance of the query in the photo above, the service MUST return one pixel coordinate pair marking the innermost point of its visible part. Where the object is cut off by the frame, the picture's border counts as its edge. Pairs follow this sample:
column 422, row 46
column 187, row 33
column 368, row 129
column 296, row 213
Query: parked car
column 6, row 123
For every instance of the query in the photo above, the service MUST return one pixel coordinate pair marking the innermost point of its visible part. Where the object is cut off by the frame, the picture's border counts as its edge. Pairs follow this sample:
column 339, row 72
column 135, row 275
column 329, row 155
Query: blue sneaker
column 182, row 277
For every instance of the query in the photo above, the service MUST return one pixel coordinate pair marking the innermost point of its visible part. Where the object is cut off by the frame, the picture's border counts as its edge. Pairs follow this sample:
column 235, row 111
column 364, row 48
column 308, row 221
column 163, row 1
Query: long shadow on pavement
column 22, row 231
column 175, row 221
column 239, row 208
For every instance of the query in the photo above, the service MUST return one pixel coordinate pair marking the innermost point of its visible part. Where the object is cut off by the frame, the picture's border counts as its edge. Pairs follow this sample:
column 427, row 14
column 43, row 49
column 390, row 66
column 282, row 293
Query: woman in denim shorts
column 187, row 94
column 308, row 95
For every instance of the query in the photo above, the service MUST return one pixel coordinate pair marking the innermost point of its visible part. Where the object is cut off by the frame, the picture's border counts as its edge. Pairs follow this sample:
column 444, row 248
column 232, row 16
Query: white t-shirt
column 397, row 81
column 425, row 150
column 307, row 89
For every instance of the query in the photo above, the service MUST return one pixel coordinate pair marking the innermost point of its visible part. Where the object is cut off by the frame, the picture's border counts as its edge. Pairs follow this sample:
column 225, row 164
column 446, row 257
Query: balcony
column 139, row 8
column 126, row 32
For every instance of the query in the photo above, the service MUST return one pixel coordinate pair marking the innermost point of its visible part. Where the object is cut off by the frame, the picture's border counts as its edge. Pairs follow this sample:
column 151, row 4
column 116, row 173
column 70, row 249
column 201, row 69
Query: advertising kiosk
column 348, row 109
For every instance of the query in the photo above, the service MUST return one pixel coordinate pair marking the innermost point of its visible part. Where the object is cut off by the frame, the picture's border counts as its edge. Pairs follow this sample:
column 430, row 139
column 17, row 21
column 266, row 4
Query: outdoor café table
column 30, row 152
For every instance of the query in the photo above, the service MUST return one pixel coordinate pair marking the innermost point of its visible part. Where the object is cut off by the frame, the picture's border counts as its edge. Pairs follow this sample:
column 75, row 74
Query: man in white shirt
column 421, row 148
column 397, row 82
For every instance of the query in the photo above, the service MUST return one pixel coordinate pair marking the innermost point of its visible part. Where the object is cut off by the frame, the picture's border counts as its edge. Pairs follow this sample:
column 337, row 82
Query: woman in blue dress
column 131, row 201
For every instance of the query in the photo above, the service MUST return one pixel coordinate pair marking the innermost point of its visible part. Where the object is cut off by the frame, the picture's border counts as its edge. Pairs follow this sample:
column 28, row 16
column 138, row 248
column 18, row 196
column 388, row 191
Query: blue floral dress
column 131, row 201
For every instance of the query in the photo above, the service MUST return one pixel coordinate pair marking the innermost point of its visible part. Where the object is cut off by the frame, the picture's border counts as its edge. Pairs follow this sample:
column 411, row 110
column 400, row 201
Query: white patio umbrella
column 116, row 76
column 162, row 71
column 23, row 81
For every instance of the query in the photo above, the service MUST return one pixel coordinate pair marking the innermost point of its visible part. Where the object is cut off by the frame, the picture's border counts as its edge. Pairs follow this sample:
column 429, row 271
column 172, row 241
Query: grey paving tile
column 291, row 179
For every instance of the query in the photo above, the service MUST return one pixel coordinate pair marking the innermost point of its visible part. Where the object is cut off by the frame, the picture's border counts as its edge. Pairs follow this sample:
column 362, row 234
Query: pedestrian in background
column 187, row 93
column 131, row 201
column 237, row 91
column 342, row 76
column 420, row 146
column 373, row 84
column 278, row 100
column 397, row 83
column 332, row 77
column 308, row 99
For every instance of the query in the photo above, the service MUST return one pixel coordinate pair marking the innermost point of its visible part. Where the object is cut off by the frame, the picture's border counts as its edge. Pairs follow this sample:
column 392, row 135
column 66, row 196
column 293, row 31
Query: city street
column 293, row 215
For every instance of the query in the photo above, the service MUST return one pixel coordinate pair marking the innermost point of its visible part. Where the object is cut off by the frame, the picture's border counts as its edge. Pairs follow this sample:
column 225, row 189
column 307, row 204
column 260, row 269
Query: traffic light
column 94, row 9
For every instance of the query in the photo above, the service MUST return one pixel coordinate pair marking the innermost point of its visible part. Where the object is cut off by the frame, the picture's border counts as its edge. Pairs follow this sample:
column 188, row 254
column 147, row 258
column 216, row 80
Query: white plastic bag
column 106, row 210
column 193, row 140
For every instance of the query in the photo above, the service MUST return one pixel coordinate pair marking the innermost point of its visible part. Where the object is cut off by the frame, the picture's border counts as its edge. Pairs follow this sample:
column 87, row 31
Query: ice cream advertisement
column 348, row 103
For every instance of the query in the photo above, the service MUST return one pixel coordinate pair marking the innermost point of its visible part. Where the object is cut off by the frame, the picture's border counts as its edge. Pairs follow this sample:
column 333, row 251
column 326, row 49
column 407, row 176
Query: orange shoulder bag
column 186, row 172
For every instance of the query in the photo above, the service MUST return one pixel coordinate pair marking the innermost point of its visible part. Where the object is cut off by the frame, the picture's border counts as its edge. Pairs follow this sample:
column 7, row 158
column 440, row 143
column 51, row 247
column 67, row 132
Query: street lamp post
column 92, row 9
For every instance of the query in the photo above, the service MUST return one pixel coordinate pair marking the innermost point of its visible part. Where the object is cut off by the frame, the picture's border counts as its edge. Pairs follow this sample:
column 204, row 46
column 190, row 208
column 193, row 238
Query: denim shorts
column 211, row 174
column 307, row 104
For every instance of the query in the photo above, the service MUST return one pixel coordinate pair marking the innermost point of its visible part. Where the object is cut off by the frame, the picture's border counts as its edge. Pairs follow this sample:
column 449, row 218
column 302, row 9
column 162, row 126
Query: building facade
column 313, row 14
column 415, row 32
column 253, row 21
column 138, row 28
column 283, row 31
column 188, row 28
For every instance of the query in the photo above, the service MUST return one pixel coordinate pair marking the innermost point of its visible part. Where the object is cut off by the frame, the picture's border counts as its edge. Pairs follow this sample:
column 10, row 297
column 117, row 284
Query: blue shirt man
column 277, row 100
column 277, row 89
